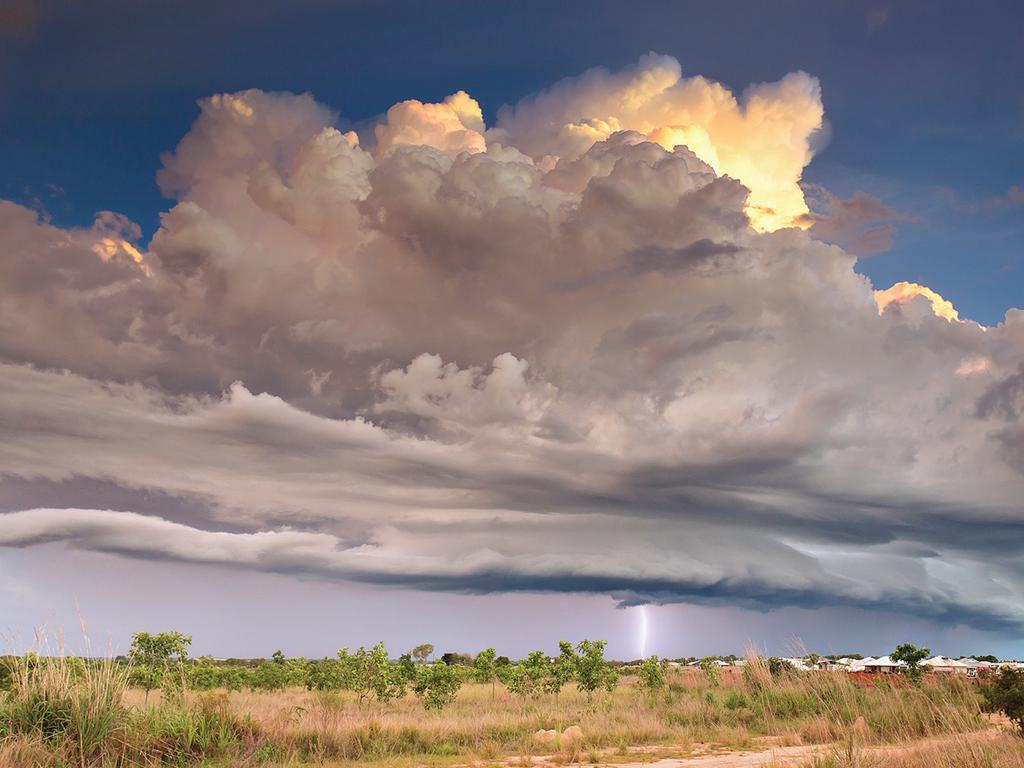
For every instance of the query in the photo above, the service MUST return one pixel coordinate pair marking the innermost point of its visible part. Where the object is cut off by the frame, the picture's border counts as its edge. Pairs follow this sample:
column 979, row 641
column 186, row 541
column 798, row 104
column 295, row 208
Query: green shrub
column 652, row 676
column 1006, row 695
column 780, row 667
column 736, row 699
column 181, row 732
column 437, row 685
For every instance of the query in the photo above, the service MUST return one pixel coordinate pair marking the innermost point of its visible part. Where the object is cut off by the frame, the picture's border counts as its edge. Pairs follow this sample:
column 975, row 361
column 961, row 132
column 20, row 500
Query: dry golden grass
column 21, row 751
column 297, row 727
column 811, row 709
column 999, row 748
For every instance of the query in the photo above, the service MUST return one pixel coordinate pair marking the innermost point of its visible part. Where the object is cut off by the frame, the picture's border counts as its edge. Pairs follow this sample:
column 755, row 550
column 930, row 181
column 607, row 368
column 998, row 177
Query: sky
column 498, row 324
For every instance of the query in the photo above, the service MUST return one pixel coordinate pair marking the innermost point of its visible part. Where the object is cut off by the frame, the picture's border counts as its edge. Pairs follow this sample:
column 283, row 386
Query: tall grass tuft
column 70, row 706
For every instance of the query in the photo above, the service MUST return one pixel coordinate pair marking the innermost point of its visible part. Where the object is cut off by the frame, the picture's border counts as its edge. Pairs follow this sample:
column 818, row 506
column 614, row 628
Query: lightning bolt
column 643, row 631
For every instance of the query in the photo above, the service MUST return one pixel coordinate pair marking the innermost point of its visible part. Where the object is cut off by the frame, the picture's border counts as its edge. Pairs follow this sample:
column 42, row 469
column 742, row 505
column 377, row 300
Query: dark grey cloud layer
column 548, row 356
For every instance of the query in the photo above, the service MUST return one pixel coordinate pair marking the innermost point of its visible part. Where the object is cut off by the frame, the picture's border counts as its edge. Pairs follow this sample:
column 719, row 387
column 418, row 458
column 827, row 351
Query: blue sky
column 441, row 392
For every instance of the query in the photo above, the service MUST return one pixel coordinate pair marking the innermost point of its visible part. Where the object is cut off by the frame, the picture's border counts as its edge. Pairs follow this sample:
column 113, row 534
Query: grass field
column 59, row 716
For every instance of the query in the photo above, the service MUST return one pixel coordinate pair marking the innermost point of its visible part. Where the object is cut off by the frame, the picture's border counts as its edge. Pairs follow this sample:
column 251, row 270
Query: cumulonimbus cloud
column 552, row 354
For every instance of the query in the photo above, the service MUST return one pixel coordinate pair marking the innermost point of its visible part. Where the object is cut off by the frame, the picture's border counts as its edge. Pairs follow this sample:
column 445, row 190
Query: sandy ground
column 777, row 757
column 763, row 757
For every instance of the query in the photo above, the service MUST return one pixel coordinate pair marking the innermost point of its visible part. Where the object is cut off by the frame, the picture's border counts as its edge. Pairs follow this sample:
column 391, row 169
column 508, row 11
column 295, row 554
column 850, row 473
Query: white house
column 946, row 666
column 860, row 665
column 974, row 667
column 836, row 665
column 881, row 665
column 798, row 664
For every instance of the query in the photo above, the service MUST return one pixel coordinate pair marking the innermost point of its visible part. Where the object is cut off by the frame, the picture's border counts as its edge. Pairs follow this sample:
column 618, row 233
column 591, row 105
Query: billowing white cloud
column 481, row 359
column 455, row 125
column 765, row 138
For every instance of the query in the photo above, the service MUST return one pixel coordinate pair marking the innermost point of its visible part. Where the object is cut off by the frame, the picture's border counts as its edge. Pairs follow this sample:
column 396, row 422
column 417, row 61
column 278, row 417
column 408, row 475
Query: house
column 798, row 664
column 977, row 668
column 883, row 665
column 947, row 666
column 835, row 665
column 860, row 665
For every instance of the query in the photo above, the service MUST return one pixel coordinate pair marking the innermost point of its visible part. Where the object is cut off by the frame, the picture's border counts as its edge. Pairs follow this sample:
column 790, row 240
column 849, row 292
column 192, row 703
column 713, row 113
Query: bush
column 590, row 669
column 437, row 685
column 279, row 673
column 7, row 666
column 780, row 667
column 652, row 676
column 1006, row 695
column 709, row 666
column 181, row 733
column 369, row 671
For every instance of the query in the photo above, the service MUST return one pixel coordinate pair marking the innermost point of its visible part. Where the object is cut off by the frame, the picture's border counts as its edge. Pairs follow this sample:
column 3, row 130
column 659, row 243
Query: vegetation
column 1000, row 749
column 912, row 656
column 422, row 652
column 157, row 661
column 651, row 676
column 1006, row 695
column 484, row 668
column 437, row 685
column 589, row 668
column 709, row 666
column 364, row 706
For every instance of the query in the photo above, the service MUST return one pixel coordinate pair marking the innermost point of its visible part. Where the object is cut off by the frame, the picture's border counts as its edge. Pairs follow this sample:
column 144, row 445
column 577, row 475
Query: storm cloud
column 584, row 349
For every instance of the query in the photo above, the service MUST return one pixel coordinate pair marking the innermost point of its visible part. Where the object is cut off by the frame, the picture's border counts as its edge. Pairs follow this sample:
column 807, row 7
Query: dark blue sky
column 924, row 99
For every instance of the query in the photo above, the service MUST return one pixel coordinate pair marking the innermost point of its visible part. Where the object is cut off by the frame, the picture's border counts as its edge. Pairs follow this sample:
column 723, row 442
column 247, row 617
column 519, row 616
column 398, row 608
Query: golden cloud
column 903, row 292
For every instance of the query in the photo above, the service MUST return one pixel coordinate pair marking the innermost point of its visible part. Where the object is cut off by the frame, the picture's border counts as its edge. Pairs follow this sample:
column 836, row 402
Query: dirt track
column 798, row 755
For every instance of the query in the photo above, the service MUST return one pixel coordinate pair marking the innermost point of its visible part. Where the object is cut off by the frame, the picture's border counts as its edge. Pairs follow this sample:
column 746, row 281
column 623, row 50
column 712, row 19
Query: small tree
column 484, row 668
column 912, row 656
column 280, row 673
column 1006, row 694
column 203, row 675
column 652, row 676
column 709, row 666
column 559, row 673
column 325, row 675
column 370, row 671
column 517, row 681
column 406, row 668
column 780, row 667
column 537, row 669
column 235, row 678
column 437, row 685
column 154, row 657
column 588, row 664
column 422, row 652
